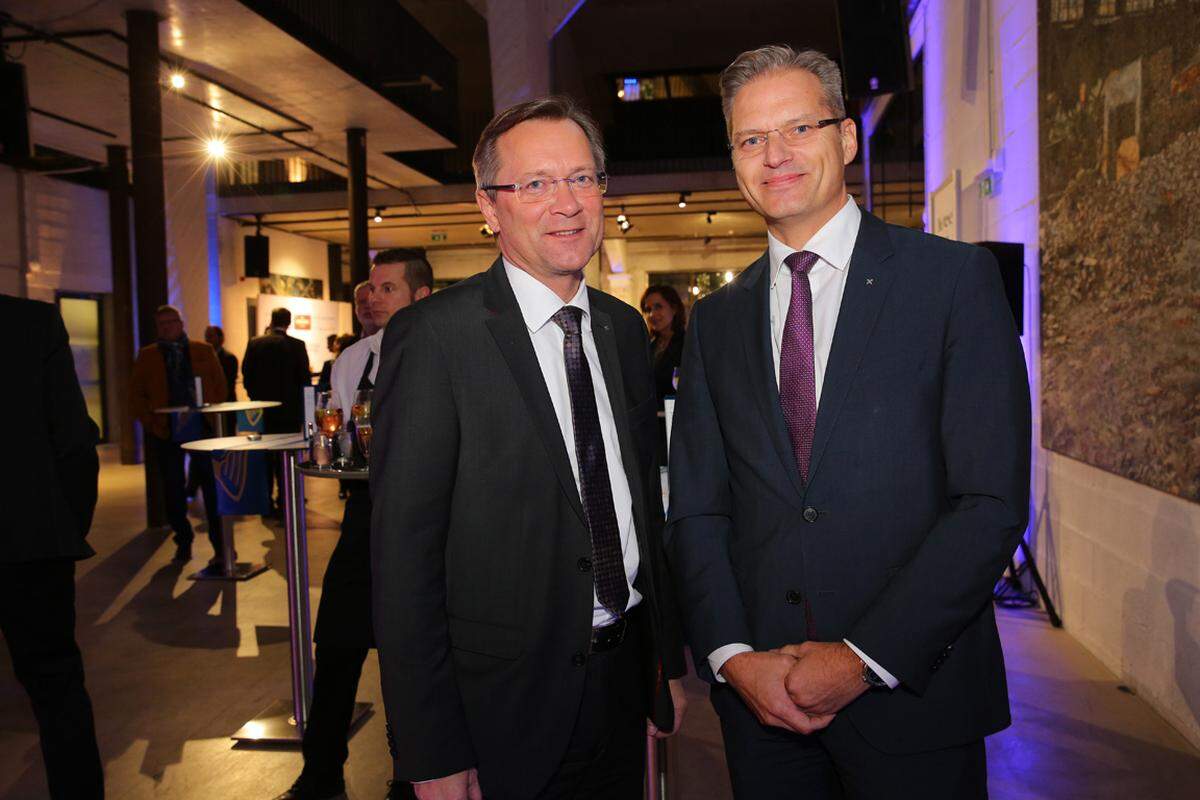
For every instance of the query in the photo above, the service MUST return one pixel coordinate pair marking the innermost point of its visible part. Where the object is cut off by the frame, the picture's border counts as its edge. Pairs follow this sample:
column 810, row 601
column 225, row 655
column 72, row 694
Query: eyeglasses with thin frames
column 536, row 189
column 751, row 143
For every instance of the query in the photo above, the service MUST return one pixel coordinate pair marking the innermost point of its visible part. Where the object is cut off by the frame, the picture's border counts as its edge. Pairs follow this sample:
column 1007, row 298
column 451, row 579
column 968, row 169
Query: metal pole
column 299, row 629
column 656, row 787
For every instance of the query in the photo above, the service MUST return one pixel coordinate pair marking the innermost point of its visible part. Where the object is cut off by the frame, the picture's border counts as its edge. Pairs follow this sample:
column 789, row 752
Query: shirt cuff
column 888, row 678
column 718, row 657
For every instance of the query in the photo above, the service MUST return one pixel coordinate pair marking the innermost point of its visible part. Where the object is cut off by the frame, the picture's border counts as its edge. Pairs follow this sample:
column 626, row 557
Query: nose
column 776, row 153
column 564, row 201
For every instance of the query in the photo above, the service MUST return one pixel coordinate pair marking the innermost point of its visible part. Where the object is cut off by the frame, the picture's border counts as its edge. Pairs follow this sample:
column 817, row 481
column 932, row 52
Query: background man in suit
column 229, row 362
column 849, row 476
column 362, row 309
column 48, row 506
column 276, row 367
column 164, row 374
column 343, row 633
column 525, row 623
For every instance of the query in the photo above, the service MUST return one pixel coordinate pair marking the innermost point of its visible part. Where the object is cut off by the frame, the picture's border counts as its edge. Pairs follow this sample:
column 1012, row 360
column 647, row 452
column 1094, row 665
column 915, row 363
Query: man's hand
column 679, row 701
column 825, row 677
column 759, row 679
column 459, row 786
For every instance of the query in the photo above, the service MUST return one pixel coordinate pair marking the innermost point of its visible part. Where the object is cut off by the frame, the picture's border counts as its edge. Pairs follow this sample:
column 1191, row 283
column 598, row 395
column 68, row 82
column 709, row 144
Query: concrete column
column 356, row 186
column 123, row 345
column 149, row 203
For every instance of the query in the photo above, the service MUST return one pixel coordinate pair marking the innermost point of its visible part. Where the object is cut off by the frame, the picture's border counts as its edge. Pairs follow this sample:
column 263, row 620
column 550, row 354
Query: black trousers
column 335, row 682
column 37, row 618
column 768, row 763
column 170, row 457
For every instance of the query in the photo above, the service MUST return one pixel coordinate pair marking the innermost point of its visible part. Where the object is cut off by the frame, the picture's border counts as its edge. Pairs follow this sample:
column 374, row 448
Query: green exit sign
column 438, row 236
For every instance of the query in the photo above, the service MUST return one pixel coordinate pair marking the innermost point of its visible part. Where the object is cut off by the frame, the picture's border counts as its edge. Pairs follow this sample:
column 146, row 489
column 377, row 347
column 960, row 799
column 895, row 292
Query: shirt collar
column 538, row 303
column 833, row 243
column 376, row 340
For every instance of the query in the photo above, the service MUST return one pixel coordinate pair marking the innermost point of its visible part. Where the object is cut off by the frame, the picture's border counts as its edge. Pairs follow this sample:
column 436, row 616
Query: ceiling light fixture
column 683, row 199
column 708, row 217
column 216, row 148
column 379, row 214
column 623, row 222
column 486, row 230
column 177, row 80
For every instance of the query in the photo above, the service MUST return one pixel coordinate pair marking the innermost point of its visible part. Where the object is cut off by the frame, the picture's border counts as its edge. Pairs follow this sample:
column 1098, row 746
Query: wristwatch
column 871, row 679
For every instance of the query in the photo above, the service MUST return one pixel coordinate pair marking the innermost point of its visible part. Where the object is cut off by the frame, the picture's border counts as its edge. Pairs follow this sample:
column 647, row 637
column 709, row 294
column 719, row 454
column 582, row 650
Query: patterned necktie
column 797, row 372
column 608, row 565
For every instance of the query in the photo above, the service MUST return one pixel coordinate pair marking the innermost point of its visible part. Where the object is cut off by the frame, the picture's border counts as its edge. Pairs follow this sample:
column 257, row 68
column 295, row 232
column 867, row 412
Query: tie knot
column 568, row 318
column 800, row 262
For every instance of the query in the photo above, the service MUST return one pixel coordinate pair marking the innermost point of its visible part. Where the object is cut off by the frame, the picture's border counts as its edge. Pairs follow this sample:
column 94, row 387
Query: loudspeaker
column 15, row 145
column 875, row 49
column 258, row 256
column 1010, row 256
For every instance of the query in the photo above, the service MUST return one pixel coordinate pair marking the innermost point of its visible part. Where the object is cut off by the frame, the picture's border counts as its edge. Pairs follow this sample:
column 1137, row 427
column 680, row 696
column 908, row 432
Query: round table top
column 268, row 441
column 221, row 408
column 356, row 474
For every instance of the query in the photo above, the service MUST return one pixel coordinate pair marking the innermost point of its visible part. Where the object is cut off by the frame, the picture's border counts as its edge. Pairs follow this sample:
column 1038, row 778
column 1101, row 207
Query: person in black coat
column 229, row 363
column 48, row 505
column 276, row 367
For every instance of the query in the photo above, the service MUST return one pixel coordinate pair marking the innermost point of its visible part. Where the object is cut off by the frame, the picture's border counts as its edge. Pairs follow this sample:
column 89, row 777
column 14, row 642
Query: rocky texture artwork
column 1120, row 236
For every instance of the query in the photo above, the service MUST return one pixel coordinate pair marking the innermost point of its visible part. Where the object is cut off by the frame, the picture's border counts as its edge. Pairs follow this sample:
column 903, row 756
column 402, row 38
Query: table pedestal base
column 241, row 571
column 277, row 725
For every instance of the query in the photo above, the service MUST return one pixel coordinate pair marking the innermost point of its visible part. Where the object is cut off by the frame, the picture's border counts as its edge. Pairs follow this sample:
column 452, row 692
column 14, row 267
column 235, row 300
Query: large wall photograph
column 1119, row 122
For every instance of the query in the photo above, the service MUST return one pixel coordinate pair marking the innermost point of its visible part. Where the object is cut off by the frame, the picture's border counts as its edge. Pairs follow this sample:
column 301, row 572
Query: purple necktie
column 797, row 372
column 608, row 564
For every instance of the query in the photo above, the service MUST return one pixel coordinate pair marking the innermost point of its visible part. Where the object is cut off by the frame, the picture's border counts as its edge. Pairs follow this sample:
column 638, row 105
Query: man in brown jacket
column 164, row 375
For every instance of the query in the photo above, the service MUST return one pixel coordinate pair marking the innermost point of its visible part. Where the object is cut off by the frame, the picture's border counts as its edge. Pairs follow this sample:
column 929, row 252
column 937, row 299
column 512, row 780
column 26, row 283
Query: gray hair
column 754, row 64
column 486, row 160
column 361, row 285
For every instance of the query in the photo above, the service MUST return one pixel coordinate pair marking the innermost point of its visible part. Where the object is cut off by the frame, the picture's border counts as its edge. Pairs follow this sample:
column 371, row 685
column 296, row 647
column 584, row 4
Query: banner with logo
column 242, row 478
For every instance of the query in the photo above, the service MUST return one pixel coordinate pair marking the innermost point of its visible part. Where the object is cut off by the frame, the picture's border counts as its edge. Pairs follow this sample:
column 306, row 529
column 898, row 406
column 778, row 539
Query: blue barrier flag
column 243, row 481
column 250, row 421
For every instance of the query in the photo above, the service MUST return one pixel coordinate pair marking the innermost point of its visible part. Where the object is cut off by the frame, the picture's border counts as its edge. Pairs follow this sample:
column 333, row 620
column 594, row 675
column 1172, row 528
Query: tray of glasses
column 354, row 472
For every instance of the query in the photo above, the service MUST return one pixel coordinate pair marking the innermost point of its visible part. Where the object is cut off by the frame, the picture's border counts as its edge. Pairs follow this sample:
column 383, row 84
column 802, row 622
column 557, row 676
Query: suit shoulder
column 621, row 312
column 928, row 246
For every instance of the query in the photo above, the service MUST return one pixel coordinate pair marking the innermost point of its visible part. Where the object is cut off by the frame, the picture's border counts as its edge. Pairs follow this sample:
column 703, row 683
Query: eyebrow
column 798, row 120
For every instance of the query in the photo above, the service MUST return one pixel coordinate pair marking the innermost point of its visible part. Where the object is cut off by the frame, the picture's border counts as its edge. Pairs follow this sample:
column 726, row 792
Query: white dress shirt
column 833, row 244
column 538, row 304
column 348, row 369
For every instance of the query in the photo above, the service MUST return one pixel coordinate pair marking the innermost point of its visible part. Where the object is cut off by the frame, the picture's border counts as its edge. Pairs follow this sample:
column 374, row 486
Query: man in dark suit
column 276, row 367
column 48, row 505
column 229, row 363
column 849, row 473
column 524, row 619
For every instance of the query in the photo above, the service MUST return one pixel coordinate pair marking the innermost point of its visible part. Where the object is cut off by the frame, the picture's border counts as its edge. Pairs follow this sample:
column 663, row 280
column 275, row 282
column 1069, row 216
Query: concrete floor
column 174, row 667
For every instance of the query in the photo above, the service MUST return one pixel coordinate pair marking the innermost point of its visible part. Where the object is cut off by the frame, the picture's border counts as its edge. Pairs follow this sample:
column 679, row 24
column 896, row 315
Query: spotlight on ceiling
column 623, row 222
column 695, row 290
column 486, row 230
column 683, row 199
column 216, row 148
column 728, row 276
column 708, row 217
column 379, row 214
column 177, row 80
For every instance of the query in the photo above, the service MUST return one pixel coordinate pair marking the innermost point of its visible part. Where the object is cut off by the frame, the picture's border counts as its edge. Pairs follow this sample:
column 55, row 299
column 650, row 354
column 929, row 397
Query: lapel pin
column 870, row 281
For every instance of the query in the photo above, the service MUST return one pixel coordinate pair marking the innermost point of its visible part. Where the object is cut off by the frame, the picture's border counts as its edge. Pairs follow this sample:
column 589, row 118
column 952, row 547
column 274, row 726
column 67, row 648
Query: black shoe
column 183, row 553
column 306, row 789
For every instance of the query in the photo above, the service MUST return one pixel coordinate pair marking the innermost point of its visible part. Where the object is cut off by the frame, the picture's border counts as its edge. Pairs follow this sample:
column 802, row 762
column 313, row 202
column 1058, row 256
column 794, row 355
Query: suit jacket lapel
column 867, row 284
column 755, row 283
column 507, row 327
column 610, row 365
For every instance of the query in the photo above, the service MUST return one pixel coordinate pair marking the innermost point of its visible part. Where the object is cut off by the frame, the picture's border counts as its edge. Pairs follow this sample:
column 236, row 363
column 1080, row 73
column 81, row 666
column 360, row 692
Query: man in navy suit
column 849, row 473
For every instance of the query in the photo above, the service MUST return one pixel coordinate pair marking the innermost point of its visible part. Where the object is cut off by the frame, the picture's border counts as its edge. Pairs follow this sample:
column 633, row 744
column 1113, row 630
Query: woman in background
column 666, row 319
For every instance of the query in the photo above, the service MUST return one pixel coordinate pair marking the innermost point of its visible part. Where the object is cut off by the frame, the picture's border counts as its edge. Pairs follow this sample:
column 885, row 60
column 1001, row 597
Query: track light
column 623, row 222
column 177, row 80
column 486, row 230
column 216, row 148
column 728, row 275
column 683, row 199
column 708, row 217
column 379, row 214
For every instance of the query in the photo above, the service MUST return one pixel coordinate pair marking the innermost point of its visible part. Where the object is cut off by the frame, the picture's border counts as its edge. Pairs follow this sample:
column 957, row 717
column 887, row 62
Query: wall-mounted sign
column 943, row 208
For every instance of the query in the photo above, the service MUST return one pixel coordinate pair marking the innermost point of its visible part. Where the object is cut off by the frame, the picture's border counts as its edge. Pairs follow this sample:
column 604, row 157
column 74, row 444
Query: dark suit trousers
column 169, row 457
column 37, row 618
column 606, row 755
column 768, row 763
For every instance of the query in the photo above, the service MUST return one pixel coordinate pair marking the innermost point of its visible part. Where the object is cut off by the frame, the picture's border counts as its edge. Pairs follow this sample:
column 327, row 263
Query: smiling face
column 659, row 314
column 551, row 239
column 796, row 189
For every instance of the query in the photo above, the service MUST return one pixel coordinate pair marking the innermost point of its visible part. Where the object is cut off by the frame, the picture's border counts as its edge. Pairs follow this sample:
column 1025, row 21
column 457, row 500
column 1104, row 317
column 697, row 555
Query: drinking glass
column 328, row 414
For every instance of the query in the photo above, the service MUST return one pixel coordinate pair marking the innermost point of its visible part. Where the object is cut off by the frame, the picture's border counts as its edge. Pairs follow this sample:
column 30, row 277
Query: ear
column 422, row 293
column 488, row 208
column 849, row 133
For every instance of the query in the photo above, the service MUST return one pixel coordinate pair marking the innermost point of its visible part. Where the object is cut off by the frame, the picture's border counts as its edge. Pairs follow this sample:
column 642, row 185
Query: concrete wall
column 1122, row 560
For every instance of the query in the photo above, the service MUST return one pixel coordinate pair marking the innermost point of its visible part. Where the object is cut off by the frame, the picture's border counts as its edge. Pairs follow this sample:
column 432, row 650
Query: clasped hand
column 797, row 687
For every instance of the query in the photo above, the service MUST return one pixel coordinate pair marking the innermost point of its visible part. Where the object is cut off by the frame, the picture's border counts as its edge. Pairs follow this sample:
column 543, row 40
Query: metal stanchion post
column 300, row 631
column 656, row 769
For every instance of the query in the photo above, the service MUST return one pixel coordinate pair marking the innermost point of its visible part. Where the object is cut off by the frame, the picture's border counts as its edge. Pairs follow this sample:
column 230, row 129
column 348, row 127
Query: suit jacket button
column 584, row 564
column 579, row 659
column 794, row 597
column 811, row 514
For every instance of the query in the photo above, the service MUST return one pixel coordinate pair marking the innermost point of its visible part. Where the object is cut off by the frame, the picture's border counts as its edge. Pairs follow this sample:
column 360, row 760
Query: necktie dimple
column 797, row 371
column 608, row 564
